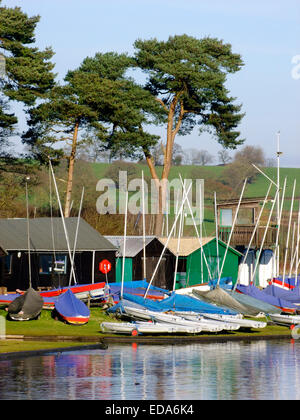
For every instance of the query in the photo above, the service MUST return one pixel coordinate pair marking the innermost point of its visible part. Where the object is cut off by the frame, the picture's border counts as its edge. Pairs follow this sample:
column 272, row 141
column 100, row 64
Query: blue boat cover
column 136, row 287
column 139, row 284
column 261, row 295
column 290, row 281
column 292, row 295
column 174, row 302
column 68, row 305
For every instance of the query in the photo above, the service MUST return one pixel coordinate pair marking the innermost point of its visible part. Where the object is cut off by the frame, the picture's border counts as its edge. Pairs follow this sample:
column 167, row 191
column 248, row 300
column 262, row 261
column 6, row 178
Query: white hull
column 147, row 328
column 285, row 319
column 245, row 323
column 161, row 317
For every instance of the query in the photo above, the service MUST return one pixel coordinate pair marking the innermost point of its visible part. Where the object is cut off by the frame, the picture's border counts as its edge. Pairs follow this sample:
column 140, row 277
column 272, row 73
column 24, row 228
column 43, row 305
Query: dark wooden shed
column 134, row 257
column 49, row 253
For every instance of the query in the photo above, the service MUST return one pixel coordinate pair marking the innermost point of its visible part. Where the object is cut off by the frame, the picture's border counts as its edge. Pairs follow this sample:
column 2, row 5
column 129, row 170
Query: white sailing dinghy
column 162, row 317
column 147, row 328
column 286, row 320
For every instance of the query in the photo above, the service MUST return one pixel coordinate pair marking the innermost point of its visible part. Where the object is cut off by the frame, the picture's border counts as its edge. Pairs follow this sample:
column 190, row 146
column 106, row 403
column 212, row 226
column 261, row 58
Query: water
column 231, row 370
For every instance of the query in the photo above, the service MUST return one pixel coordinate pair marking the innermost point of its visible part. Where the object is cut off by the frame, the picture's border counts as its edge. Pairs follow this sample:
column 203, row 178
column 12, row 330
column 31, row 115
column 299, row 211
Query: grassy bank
column 47, row 333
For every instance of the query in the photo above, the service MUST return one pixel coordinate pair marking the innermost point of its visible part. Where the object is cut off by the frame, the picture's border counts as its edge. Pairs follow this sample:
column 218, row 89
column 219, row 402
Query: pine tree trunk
column 71, row 172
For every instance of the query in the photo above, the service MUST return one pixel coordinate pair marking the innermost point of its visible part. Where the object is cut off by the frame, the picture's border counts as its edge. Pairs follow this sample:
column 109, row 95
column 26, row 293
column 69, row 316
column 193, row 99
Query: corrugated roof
column 134, row 244
column 13, row 235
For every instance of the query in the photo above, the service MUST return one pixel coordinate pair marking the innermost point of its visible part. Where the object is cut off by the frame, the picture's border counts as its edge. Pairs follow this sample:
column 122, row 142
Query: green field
column 212, row 176
column 257, row 189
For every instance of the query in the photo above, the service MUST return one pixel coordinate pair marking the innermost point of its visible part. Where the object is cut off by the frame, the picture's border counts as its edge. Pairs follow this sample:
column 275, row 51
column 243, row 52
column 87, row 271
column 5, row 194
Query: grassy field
column 212, row 176
column 257, row 189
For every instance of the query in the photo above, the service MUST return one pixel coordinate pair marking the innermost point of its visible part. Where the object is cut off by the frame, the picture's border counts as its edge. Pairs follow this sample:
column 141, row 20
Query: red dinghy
column 71, row 309
column 82, row 290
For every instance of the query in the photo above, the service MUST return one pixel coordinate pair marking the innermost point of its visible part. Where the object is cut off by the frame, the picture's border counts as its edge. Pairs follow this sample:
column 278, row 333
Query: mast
column 63, row 222
column 144, row 229
column 166, row 244
column 28, row 232
column 217, row 234
column 264, row 237
column 77, row 230
column 196, row 229
column 178, row 248
column 124, row 245
column 231, row 232
column 253, row 234
column 288, row 233
column 278, row 197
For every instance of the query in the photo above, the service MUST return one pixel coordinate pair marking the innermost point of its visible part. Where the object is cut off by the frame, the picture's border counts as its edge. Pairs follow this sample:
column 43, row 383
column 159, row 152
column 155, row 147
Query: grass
column 50, row 334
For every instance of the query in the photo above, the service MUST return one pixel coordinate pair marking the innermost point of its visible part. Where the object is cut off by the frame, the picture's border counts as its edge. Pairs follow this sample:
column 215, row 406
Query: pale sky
column 266, row 33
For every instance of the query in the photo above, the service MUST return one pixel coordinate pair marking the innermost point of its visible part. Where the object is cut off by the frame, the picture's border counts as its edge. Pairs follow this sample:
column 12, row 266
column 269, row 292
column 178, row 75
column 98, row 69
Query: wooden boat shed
column 134, row 257
column 192, row 268
column 49, row 253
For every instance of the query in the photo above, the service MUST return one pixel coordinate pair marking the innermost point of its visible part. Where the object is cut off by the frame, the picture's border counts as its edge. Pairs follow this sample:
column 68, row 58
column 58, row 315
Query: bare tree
column 224, row 156
column 202, row 157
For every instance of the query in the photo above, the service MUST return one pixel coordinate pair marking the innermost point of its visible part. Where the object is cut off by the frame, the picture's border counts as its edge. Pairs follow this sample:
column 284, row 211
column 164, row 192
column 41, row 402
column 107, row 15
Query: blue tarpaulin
column 292, row 295
column 253, row 291
column 174, row 302
column 136, row 287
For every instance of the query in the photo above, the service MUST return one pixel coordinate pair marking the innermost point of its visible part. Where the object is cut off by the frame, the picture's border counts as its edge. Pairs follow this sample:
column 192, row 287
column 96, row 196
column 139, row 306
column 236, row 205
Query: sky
column 266, row 33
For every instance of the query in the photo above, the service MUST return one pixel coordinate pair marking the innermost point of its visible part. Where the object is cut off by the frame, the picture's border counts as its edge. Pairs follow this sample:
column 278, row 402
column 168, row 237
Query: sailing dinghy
column 286, row 320
column 71, row 309
column 136, row 328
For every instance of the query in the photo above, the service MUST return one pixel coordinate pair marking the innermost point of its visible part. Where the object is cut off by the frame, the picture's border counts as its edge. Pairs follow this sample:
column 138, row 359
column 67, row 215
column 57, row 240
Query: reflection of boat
column 287, row 320
column 71, row 309
column 25, row 307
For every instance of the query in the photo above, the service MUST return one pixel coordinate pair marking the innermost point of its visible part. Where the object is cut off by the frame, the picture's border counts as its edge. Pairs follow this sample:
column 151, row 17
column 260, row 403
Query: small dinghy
column 136, row 328
column 286, row 320
column 26, row 306
column 71, row 309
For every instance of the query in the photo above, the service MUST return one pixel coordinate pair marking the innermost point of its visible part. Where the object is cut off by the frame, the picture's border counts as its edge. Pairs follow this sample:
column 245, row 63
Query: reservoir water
column 224, row 371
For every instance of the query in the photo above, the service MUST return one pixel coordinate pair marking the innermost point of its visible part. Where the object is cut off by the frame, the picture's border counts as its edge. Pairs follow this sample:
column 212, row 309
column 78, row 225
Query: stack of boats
column 175, row 314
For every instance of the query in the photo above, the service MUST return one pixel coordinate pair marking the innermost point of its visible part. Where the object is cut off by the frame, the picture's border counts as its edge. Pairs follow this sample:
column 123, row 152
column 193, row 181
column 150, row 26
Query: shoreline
column 96, row 342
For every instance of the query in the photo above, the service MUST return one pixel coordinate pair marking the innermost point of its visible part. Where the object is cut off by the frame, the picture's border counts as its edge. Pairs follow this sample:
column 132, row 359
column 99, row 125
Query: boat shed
column 49, row 253
column 196, row 258
column 134, row 260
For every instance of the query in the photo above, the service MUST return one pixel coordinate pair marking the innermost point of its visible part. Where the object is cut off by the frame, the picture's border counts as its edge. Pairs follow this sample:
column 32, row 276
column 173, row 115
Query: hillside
column 13, row 202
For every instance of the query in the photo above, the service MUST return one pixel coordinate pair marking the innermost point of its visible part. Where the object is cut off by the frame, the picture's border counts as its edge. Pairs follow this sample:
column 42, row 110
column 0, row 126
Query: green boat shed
column 197, row 258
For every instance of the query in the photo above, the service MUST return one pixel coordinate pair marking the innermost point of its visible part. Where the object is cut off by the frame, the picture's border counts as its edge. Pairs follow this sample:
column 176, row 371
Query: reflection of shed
column 192, row 268
column 50, row 262
column 134, row 257
column 245, row 222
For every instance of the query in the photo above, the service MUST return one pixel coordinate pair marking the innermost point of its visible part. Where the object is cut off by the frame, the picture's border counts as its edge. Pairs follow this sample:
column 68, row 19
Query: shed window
column 7, row 263
column 245, row 217
column 49, row 264
column 226, row 217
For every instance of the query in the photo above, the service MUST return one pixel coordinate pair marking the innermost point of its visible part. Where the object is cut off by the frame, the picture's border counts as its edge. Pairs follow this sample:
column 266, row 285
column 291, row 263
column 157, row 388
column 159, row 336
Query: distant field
column 257, row 189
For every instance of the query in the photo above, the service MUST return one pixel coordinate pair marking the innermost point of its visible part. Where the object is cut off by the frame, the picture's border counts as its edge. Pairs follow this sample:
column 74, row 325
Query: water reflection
column 256, row 370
